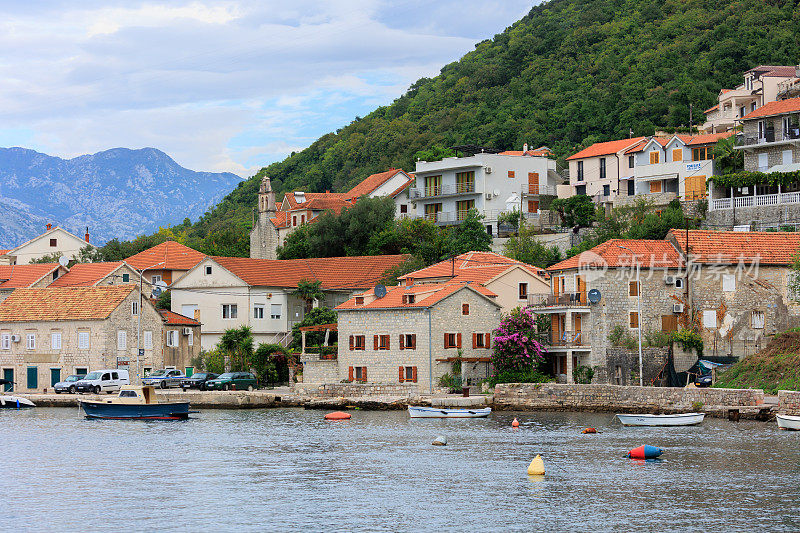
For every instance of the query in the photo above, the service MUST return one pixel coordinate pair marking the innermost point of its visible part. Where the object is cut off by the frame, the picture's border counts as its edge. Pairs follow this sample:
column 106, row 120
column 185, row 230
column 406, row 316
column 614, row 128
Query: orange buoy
column 590, row 430
column 515, row 423
column 337, row 415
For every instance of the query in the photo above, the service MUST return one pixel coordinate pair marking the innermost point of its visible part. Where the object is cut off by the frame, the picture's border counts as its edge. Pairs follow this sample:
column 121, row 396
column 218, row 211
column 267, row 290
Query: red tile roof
column 781, row 71
column 291, row 199
column 168, row 255
column 426, row 296
column 16, row 276
column 707, row 138
column 86, row 274
column 710, row 109
column 472, row 266
column 605, row 148
column 538, row 152
column 4, row 252
column 780, row 107
column 174, row 319
column 688, row 140
column 371, row 183
column 647, row 253
column 65, row 303
column 726, row 247
column 334, row 272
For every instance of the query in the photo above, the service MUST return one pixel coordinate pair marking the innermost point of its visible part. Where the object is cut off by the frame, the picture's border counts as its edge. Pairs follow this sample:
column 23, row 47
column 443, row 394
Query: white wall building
column 54, row 240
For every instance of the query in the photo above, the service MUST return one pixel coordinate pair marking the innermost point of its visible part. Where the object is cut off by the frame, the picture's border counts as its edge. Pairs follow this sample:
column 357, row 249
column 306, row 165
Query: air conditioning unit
column 488, row 196
column 669, row 280
column 677, row 308
column 187, row 331
column 15, row 338
column 488, row 170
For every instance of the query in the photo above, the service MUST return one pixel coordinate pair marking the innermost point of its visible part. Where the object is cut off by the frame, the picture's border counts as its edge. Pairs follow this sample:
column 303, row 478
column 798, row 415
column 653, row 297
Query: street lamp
column 139, row 327
column 638, row 311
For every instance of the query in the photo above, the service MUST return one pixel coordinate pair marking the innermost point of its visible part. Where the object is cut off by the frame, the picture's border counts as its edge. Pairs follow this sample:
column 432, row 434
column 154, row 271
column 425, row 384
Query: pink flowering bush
column 515, row 344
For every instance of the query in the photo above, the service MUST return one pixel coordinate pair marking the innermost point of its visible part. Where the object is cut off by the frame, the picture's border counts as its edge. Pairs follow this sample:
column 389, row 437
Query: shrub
column 519, row 376
column 688, row 339
column 515, row 344
column 583, row 374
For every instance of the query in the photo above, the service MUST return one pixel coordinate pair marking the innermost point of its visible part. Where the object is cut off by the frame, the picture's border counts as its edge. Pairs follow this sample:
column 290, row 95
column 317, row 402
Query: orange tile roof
column 168, row 255
column 725, row 247
column 16, row 276
column 4, row 252
column 688, row 140
column 280, row 220
column 371, row 183
column 647, row 253
column 710, row 109
column 605, row 148
column 174, row 319
column 308, row 196
column 322, row 204
column 86, row 274
column 538, row 152
column 334, row 272
column 65, row 303
column 708, row 138
column 472, row 266
column 781, row 71
column 426, row 296
column 790, row 105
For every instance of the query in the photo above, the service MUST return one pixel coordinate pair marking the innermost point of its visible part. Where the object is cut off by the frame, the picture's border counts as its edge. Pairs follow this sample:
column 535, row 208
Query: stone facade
column 264, row 240
column 356, row 390
column 789, row 402
column 622, row 365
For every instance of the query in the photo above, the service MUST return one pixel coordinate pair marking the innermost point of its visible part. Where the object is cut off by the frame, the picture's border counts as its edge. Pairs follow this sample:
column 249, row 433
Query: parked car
column 168, row 377
column 703, row 380
column 233, row 381
column 197, row 380
column 68, row 385
column 108, row 380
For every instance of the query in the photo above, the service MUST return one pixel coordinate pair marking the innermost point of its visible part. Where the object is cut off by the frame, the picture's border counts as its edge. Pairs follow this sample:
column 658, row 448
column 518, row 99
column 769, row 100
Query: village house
column 181, row 342
column 273, row 223
column 104, row 273
column 47, row 334
column 39, row 275
column 54, row 241
column 411, row 334
column 602, row 170
column 510, row 280
column 230, row 292
column 166, row 262
column 490, row 181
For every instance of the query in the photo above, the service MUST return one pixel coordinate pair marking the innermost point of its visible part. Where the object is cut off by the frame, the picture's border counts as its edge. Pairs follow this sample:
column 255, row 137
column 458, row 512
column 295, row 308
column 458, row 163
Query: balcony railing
column 568, row 338
column 761, row 200
column 770, row 137
column 442, row 190
column 562, row 300
column 534, row 190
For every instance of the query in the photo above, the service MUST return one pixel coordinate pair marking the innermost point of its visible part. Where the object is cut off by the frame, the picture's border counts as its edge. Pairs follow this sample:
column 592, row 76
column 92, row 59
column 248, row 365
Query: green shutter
column 8, row 374
column 33, row 377
column 55, row 376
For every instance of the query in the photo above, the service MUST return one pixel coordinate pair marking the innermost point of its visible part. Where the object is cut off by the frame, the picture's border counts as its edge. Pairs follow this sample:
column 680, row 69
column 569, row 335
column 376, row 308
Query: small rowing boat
column 135, row 403
column 15, row 402
column 439, row 412
column 788, row 422
column 681, row 419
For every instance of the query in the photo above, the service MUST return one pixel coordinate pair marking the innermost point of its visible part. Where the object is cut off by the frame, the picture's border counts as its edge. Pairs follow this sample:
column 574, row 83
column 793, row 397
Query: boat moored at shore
column 438, row 412
column 680, row 419
column 788, row 422
column 135, row 403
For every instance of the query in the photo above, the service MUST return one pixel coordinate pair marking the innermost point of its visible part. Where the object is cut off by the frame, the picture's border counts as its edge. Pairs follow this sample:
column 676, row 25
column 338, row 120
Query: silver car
column 164, row 378
column 68, row 385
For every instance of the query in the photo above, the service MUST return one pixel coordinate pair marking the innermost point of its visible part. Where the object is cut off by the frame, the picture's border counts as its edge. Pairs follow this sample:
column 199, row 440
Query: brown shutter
column 388, row 342
column 350, row 373
column 445, row 341
column 458, row 340
column 474, row 340
column 375, row 339
column 414, row 341
column 414, row 374
column 364, row 373
column 402, row 342
column 488, row 340
column 352, row 342
column 402, row 374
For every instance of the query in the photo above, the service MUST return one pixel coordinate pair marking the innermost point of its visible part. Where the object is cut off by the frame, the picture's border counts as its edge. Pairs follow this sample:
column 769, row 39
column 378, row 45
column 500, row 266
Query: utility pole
column 690, row 118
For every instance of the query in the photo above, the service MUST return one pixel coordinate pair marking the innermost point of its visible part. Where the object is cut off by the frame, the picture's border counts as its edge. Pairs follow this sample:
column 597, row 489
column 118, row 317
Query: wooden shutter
column 669, row 323
column 634, row 318
column 633, row 288
column 533, row 183
column 488, row 340
column 402, row 374
column 655, row 186
column 350, row 372
column 510, row 173
column 464, row 309
column 414, row 341
column 533, row 206
column 474, row 340
column 388, row 342
column 414, row 374
column 653, row 158
column 352, row 342
column 458, row 340
column 375, row 339
column 402, row 342
column 677, row 154
column 446, row 344
column 363, row 373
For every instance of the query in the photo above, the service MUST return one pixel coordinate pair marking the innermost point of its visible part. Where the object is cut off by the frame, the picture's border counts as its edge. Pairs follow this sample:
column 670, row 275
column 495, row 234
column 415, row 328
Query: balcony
column 771, row 138
column 569, row 299
column 418, row 193
column 536, row 190
column 763, row 200
column 569, row 339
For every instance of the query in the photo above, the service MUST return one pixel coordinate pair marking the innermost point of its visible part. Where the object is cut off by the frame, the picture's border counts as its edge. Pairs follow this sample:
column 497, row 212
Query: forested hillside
column 570, row 73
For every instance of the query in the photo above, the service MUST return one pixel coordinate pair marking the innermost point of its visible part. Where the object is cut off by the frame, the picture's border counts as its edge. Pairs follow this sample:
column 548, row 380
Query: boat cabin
column 133, row 394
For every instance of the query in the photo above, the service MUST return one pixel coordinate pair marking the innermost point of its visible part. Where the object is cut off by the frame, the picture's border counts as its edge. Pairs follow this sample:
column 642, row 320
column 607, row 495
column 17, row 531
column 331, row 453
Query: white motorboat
column 788, row 422
column 15, row 402
column 681, row 419
column 441, row 412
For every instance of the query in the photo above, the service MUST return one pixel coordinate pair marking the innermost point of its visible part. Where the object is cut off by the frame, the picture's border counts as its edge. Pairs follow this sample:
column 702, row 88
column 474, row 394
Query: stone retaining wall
column 356, row 390
column 619, row 398
column 789, row 402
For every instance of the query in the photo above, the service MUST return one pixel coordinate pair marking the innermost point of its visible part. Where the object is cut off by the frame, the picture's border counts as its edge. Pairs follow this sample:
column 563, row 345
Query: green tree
column 308, row 291
column 236, row 345
column 47, row 258
column 727, row 157
column 527, row 248
column 574, row 211
column 90, row 254
column 164, row 301
column 471, row 235
column 268, row 360
column 315, row 317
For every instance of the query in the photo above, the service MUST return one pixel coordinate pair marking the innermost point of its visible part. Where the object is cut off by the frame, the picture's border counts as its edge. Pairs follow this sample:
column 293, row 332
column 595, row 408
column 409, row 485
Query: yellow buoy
column 536, row 468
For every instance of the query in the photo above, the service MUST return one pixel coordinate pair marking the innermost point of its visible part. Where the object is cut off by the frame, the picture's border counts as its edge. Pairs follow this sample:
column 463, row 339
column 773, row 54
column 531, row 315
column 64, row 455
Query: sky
column 219, row 85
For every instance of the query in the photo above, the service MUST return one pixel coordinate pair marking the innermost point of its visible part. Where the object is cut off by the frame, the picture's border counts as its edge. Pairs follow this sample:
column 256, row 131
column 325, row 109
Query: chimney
column 524, row 148
column 86, row 237
column 49, row 226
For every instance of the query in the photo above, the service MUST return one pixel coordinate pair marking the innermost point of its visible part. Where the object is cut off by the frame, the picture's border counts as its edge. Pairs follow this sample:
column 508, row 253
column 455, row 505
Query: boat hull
column 683, row 419
column 15, row 402
column 436, row 412
column 120, row 411
column 788, row 422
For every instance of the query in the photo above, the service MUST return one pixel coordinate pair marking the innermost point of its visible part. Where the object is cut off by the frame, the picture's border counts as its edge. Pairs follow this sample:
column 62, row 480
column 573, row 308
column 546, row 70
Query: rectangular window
column 602, row 168
column 408, row 341
column 358, row 342
column 669, row 323
column 702, row 154
column 5, row 341
column 409, row 299
column 53, row 243
column 55, row 341
column 275, row 311
column 361, row 373
column 359, row 300
column 633, row 288
column 655, row 186
column 172, row 338
column 710, row 318
column 258, row 310
column 510, row 173
column 757, row 320
column 633, row 319
column 761, row 129
column 433, row 185
column 408, row 373
column 83, row 340
column 654, row 157
column 480, row 340
column 606, row 190
column 580, row 170
column 465, row 309
column 156, row 278
column 229, row 311
column 452, row 340
column 432, row 212
column 294, row 220
column 190, row 337
column 126, row 278
column 134, row 308
column 786, row 157
column 81, row 370
column 678, row 283
column 381, row 342
column 523, row 291
column 677, row 154
column 148, row 340
column 208, row 270
column 31, row 341
column 728, row 283
column 404, row 208
column 763, row 161
column 631, row 161
column 122, row 340
column 463, row 207
column 465, row 182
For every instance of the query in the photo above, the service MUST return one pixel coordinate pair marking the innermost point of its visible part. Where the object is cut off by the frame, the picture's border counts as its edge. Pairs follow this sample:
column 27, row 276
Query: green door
column 55, row 376
column 8, row 374
column 189, row 371
column 33, row 377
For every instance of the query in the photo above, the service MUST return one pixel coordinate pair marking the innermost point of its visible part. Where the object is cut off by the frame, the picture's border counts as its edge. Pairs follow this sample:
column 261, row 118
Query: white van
column 108, row 380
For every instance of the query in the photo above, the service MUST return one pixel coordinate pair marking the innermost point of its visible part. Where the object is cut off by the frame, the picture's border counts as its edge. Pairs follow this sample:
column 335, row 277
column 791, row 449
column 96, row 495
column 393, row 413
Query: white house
column 54, row 240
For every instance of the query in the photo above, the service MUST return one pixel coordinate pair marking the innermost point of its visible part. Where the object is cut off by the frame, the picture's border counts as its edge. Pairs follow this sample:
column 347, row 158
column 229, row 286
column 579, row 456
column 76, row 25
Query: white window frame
column 172, row 338
column 5, row 341
column 134, row 308
column 758, row 319
column 709, row 318
column 209, row 270
column 122, row 340
column 258, row 311
column 148, row 339
column 155, row 278
column 787, row 160
column 233, row 311
column 272, row 313
column 190, row 337
column 728, row 283
column 55, row 340
column 84, row 340
column 30, row 341
column 678, row 283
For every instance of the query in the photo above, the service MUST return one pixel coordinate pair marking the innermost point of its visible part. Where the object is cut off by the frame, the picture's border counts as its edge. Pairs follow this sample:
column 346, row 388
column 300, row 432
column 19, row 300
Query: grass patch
column 776, row 367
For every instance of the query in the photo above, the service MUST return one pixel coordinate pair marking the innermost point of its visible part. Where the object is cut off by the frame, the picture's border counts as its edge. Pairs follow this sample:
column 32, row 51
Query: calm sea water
column 289, row 470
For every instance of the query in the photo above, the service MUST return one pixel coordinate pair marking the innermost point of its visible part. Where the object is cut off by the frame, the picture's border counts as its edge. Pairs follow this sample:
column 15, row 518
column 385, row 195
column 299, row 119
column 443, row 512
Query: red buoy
column 515, row 423
column 645, row 452
column 337, row 415
column 590, row 430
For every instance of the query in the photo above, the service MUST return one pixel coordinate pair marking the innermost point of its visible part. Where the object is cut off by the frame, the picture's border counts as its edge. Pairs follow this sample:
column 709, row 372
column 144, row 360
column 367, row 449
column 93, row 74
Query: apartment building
column 602, row 170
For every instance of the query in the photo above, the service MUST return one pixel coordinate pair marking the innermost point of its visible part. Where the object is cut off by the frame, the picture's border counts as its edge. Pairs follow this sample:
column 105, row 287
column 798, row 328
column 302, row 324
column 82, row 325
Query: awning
column 659, row 177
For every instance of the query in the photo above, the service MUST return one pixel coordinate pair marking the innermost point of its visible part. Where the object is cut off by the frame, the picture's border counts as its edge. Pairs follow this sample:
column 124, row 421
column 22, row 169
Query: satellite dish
column 380, row 291
column 161, row 285
column 594, row 296
column 63, row 261
column 156, row 292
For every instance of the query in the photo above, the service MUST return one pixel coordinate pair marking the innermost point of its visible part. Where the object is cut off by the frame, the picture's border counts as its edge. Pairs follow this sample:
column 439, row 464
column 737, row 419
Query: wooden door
column 556, row 287
column 533, row 183
column 581, row 284
column 533, row 206
column 578, row 337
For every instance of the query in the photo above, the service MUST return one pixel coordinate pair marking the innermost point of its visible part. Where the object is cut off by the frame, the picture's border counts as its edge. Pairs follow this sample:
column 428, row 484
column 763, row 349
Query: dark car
column 197, row 380
column 703, row 381
column 233, row 381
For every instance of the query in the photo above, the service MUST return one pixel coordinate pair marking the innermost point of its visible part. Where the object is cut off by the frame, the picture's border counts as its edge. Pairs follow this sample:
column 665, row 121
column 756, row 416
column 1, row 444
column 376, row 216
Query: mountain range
column 118, row 193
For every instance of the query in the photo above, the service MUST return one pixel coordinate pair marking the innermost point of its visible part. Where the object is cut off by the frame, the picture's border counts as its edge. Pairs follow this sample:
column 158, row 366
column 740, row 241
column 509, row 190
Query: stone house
column 39, row 275
column 54, row 240
column 105, row 273
column 413, row 334
column 181, row 340
column 166, row 262
column 513, row 282
column 47, row 334
column 230, row 292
